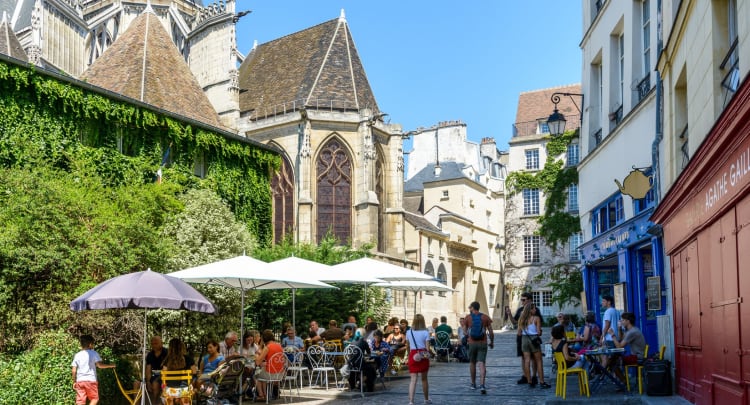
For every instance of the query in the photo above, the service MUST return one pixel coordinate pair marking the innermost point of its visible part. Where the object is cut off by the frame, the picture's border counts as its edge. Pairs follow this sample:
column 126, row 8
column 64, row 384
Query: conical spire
column 144, row 64
column 9, row 43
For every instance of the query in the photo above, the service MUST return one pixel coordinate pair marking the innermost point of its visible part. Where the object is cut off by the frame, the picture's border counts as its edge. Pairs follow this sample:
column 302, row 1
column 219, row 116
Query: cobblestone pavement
column 449, row 384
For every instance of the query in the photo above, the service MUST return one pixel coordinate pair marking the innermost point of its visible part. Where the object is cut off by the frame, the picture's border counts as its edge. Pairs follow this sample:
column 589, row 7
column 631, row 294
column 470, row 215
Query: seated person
column 352, row 323
column 177, row 360
column 227, row 346
column 210, row 362
column 266, row 370
column 443, row 327
column 560, row 345
column 633, row 339
column 348, row 335
column 154, row 363
column 315, row 332
column 383, row 351
column 397, row 341
column 333, row 332
column 590, row 333
column 291, row 342
column 368, row 368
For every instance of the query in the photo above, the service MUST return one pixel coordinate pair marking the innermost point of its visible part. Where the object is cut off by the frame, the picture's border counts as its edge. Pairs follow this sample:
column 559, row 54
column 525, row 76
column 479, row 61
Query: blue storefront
column 626, row 262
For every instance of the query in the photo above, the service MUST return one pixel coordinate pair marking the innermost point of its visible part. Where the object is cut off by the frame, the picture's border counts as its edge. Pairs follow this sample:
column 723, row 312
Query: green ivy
column 556, row 225
column 49, row 121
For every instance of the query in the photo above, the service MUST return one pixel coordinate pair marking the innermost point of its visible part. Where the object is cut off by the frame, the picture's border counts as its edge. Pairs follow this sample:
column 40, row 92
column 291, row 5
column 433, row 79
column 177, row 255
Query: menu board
column 620, row 302
column 653, row 293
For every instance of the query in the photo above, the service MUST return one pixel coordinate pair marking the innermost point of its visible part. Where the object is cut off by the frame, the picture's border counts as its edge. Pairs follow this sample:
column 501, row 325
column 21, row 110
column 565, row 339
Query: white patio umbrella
column 415, row 286
column 245, row 273
column 378, row 269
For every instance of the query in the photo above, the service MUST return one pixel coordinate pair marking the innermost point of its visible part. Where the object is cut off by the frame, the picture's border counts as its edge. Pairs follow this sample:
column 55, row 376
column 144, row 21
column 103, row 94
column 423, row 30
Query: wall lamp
column 556, row 121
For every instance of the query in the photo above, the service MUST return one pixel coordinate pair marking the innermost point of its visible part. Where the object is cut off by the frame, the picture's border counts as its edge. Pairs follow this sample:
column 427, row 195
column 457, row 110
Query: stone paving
column 449, row 384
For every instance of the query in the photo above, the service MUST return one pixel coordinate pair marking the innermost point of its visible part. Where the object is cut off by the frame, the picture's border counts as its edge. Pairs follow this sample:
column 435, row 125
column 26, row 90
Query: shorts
column 519, row 352
column 477, row 352
column 86, row 390
column 263, row 374
column 527, row 346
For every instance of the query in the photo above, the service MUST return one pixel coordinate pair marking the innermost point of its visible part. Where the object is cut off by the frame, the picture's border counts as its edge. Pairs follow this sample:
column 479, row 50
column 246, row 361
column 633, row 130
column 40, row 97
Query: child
column 84, row 366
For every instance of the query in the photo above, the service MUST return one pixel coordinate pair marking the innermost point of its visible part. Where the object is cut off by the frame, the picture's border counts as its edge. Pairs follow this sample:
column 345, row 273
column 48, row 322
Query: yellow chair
column 661, row 352
column 177, row 395
column 639, row 370
column 133, row 396
column 561, row 383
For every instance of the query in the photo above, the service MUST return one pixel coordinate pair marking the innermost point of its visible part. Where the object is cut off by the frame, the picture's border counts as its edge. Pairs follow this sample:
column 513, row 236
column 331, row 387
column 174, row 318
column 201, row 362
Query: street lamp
column 556, row 121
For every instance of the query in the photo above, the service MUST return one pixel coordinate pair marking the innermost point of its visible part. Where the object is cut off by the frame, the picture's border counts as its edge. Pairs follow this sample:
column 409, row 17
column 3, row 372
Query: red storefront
column 706, row 220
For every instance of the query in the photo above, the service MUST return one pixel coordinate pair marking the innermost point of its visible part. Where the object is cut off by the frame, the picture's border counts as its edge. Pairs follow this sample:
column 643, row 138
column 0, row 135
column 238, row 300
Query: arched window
column 430, row 271
column 334, row 178
column 442, row 275
column 282, row 189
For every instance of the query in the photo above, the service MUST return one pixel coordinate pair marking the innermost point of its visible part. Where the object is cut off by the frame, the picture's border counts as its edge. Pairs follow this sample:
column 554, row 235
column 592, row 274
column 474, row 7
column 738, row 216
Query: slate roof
column 315, row 67
column 167, row 83
column 449, row 171
column 420, row 222
column 536, row 104
column 9, row 44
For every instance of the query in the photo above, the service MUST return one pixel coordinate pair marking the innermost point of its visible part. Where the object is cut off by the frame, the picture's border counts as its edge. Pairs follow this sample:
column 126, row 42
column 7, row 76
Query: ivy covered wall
column 47, row 119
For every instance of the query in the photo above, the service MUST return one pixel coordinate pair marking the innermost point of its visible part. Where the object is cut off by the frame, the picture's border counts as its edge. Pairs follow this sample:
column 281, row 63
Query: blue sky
column 431, row 61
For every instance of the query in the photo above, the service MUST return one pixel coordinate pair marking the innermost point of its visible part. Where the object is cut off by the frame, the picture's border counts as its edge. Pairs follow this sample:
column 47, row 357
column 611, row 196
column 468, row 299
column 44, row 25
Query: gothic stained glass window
column 282, row 188
column 334, row 177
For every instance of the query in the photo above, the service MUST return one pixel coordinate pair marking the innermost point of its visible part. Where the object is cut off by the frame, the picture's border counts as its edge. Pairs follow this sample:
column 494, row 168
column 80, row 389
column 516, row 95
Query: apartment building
column 704, row 176
column 528, row 255
column 621, row 249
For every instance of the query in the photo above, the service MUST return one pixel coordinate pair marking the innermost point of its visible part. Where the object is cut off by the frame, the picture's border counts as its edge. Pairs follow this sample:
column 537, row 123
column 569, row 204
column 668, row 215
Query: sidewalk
column 449, row 383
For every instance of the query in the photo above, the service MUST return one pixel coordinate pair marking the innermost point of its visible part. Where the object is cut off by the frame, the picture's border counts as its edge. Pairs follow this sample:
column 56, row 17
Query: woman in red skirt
column 419, row 357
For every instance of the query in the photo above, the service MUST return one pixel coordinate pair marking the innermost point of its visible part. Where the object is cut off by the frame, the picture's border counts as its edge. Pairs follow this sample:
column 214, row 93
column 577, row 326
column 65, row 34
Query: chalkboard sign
column 653, row 293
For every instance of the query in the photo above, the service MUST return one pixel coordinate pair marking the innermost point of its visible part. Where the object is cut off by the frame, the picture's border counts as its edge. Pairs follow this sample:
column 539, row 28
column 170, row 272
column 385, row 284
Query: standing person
column 530, row 325
column 419, row 341
column 609, row 321
column 154, row 362
column 84, row 364
column 226, row 346
column 478, row 326
column 525, row 298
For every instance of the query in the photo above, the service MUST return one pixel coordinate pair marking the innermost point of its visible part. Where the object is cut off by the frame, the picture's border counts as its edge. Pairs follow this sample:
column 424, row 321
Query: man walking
column 525, row 297
column 611, row 317
column 478, row 328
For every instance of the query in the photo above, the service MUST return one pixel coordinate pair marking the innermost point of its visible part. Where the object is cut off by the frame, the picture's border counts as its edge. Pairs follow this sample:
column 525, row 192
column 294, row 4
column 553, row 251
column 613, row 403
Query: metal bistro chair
column 443, row 344
column 296, row 369
column 321, row 364
column 639, row 371
column 277, row 366
column 355, row 359
column 561, row 385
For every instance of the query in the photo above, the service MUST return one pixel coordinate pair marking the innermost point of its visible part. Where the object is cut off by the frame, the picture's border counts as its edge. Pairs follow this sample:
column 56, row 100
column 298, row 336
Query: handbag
column 418, row 356
column 537, row 341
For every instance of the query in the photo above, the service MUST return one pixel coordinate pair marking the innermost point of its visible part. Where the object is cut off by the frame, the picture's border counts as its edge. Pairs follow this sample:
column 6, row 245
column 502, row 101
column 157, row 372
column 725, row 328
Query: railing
column 684, row 147
column 297, row 105
column 596, row 139
column 731, row 80
column 539, row 127
column 644, row 87
column 615, row 118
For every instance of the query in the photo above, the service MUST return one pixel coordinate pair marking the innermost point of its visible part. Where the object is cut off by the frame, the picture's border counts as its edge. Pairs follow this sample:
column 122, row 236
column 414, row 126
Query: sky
column 432, row 61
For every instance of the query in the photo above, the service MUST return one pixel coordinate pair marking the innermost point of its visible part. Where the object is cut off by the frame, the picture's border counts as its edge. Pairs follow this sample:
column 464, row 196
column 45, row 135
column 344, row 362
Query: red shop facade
column 706, row 222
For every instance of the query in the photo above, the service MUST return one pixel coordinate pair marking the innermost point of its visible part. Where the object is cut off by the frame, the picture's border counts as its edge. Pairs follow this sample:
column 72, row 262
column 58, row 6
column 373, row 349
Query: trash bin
column 658, row 375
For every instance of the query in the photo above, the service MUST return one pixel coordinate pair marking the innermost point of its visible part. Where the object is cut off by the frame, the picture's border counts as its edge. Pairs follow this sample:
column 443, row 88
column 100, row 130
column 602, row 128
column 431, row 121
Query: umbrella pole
column 144, row 391
column 294, row 309
column 365, row 297
column 242, row 316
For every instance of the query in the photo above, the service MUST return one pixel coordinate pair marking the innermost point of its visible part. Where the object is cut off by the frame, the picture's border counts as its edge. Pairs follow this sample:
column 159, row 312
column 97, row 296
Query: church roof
column 318, row 67
column 9, row 44
column 145, row 65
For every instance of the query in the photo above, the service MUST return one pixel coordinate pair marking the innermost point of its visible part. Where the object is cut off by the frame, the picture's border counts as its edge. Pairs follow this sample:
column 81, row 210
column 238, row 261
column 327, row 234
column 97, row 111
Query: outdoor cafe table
column 604, row 373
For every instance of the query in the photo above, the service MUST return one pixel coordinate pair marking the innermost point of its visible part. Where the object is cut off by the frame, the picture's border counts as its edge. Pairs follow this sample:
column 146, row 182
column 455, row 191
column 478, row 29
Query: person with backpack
column 478, row 327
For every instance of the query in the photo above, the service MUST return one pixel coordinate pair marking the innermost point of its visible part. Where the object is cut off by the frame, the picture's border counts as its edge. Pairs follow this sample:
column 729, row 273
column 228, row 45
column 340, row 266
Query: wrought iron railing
column 615, row 118
column 644, row 87
column 731, row 80
column 596, row 139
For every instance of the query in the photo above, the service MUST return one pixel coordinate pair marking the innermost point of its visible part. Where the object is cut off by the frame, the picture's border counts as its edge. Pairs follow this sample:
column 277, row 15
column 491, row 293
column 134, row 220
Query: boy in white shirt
column 84, row 366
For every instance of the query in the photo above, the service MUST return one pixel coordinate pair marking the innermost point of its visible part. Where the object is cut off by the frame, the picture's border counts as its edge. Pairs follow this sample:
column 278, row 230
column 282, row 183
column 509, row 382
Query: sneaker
column 523, row 380
column 544, row 385
column 534, row 380
column 393, row 371
column 473, row 386
column 483, row 389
